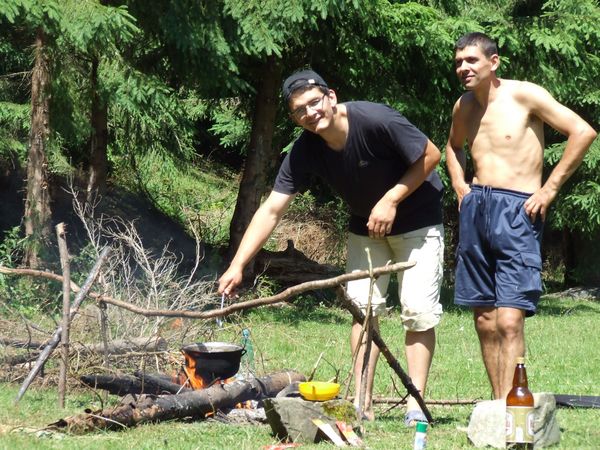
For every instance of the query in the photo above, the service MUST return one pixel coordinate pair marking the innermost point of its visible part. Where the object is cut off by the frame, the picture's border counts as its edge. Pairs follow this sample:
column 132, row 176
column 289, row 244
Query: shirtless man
column 498, row 271
column 383, row 167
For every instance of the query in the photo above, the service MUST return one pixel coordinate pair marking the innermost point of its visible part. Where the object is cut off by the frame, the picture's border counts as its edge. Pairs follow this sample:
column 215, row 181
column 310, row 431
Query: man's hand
column 381, row 218
column 230, row 280
column 461, row 191
column 539, row 203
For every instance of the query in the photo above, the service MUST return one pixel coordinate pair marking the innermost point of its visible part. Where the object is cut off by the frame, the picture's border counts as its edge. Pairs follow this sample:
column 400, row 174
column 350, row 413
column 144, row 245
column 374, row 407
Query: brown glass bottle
column 519, row 411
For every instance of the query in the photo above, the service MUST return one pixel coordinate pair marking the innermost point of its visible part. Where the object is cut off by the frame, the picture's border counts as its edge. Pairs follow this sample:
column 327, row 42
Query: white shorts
column 418, row 287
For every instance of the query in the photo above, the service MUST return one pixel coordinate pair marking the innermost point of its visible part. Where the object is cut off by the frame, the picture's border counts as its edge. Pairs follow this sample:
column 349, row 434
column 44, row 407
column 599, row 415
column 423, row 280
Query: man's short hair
column 483, row 41
column 301, row 81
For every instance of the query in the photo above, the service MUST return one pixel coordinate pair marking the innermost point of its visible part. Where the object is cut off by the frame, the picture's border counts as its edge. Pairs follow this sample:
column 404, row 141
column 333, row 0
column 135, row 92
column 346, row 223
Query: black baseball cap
column 299, row 80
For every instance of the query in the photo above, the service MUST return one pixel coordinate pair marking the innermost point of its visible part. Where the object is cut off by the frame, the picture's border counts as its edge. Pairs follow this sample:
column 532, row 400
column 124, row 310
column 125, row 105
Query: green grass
column 562, row 358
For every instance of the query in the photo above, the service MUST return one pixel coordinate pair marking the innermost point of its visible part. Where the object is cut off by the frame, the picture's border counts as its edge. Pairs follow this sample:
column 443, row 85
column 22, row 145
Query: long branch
column 282, row 296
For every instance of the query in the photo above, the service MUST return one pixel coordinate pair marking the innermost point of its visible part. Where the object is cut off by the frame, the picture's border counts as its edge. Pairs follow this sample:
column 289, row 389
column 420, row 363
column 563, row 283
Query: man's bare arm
column 384, row 212
column 261, row 226
column 456, row 160
column 580, row 136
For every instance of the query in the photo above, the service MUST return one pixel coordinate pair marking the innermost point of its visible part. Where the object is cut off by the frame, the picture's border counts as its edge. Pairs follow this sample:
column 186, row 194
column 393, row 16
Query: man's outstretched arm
column 261, row 226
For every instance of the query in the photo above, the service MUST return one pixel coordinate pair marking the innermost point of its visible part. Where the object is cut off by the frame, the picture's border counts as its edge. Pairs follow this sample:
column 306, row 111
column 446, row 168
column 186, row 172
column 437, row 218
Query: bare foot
column 367, row 414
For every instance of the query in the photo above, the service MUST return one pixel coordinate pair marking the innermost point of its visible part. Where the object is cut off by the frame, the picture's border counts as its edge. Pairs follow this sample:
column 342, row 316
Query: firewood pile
column 154, row 398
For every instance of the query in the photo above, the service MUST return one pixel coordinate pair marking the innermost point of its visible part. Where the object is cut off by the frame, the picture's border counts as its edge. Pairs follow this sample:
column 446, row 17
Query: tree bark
column 140, row 383
column 66, row 322
column 260, row 158
column 37, row 216
column 99, row 138
column 144, row 409
column 569, row 258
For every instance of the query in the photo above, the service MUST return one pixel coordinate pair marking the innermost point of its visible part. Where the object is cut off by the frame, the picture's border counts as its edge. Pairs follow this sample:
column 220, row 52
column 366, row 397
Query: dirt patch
column 318, row 240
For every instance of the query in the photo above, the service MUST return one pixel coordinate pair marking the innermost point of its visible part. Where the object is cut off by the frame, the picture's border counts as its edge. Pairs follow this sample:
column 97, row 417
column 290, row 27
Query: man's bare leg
column 358, row 366
column 419, row 348
column 510, row 324
column 489, row 341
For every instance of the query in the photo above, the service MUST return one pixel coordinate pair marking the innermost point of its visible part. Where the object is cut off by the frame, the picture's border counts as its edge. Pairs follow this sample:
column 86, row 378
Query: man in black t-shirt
column 383, row 167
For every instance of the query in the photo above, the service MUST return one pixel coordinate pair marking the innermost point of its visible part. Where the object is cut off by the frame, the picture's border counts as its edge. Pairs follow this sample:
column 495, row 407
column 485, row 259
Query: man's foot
column 412, row 417
column 367, row 415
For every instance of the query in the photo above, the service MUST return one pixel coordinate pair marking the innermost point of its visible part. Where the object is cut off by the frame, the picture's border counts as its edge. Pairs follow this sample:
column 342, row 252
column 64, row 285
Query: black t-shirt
column 381, row 145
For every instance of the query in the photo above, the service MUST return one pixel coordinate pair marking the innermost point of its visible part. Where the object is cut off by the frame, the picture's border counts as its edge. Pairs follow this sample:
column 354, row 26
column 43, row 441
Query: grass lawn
column 562, row 358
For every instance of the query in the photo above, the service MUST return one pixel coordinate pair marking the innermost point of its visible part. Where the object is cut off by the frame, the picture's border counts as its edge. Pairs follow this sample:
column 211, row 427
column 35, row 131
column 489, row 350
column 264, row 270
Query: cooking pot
column 215, row 360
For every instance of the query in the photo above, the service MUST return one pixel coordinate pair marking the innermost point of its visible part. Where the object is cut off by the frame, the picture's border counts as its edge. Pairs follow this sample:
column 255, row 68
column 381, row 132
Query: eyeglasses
column 301, row 112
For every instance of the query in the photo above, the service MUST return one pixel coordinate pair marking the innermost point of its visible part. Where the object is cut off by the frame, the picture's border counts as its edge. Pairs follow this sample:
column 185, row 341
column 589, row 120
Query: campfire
column 210, row 363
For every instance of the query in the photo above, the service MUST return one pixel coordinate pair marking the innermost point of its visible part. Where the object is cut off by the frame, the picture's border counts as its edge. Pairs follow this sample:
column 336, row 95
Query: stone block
column 291, row 418
column 488, row 422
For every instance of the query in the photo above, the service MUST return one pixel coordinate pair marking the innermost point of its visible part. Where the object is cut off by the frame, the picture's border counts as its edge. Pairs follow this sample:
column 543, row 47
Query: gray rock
column 488, row 424
column 488, row 421
column 545, row 425
column 291, row 418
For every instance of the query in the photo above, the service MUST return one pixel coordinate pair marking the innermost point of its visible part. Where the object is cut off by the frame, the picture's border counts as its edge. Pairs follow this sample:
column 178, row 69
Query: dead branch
column 56, row 337
column 441, row 402
column 20, row 343
column 282, row 296
column 66, row 315
column 385, row 351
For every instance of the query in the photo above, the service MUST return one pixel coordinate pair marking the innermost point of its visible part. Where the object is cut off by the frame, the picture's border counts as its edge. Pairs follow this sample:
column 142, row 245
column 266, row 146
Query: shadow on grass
column 304, row 312
column 549, row 305
column 553, row 306
column 393, row 418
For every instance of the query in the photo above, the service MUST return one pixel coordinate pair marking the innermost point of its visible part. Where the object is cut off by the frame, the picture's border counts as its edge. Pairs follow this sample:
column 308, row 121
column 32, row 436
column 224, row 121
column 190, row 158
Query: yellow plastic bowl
column 318, row 390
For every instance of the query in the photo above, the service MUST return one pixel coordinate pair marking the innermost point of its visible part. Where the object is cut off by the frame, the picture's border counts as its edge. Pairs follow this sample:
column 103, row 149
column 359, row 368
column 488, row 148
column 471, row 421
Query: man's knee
column 485, row 320
column 511, row 325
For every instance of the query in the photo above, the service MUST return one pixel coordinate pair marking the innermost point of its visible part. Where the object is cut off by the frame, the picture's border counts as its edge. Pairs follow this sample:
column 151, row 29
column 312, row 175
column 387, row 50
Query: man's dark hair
column 483, row 41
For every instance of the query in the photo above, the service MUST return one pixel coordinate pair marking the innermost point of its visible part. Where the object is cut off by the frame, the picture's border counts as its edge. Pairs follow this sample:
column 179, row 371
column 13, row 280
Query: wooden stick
column 400, row 401
column 52, row 344
column 392, row 361
column 367, row 332
column 66, row 270
column 211, row 314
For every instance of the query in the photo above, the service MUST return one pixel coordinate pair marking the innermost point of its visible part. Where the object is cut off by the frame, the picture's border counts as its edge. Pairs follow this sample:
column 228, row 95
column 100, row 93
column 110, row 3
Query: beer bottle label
column 519, row 424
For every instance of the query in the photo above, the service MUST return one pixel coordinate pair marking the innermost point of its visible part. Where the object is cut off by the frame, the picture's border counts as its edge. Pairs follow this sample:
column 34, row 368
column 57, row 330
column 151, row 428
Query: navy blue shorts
column 499, row 259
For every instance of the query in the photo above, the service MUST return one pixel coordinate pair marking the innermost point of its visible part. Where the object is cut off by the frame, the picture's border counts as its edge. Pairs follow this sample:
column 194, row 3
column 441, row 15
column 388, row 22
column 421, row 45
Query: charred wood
column 140, row 383
column 146, row 408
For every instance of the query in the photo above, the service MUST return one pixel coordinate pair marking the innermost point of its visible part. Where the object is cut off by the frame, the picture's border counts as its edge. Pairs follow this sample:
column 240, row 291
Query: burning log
column 139, row 383
column 143, row 409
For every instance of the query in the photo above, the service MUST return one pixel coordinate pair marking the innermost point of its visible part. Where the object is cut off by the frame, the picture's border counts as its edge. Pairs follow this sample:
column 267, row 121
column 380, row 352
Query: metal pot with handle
column 214, row 360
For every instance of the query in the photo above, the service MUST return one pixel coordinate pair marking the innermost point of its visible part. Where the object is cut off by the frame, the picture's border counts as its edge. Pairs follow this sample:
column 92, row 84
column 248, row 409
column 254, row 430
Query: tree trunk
column 99, row 138
column 569, row 258
column 37, row 216
column 261, row 155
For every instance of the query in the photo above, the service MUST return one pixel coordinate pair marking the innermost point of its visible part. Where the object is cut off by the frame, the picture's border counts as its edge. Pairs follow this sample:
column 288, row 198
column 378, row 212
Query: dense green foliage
column 180, row 79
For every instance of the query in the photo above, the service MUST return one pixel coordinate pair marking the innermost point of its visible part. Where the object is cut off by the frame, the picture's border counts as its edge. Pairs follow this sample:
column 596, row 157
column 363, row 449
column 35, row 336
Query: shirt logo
column 362, row 164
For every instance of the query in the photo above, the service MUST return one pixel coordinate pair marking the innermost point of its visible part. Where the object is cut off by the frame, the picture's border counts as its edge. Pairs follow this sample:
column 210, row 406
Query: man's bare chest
column 500, row 125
